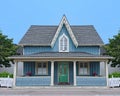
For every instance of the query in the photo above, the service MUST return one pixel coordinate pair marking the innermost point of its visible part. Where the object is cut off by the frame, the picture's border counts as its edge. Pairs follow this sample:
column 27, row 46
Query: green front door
column 63, row 72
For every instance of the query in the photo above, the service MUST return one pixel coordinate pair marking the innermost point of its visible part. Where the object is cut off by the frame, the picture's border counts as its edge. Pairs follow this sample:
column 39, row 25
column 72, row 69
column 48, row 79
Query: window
column 83, row 68
column 42, row 68
column 63, row 43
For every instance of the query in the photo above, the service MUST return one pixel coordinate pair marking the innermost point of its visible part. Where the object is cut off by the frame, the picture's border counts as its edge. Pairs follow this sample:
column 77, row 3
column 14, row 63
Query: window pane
column 44, row 71
column 63, row 44
column 85, row 65
column 39, row 65
column 39, row 71
column 42, row 68
column 81, row 65
column 44, row 65
column 83, row 69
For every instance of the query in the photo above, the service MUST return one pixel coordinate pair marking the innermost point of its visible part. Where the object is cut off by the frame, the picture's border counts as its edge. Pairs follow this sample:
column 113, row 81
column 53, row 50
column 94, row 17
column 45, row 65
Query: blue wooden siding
column 33, row 81
column 71, row 73
column 91, row 81
column 94, row 67
column 55, row 73
column 72, row 48
column 30, row 67
column 37, row 49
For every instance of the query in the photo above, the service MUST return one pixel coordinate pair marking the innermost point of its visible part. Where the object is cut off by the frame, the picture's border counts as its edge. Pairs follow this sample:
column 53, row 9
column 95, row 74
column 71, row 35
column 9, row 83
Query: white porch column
column 74, row 68
column 15, row 73
column 52, row 73
column 106, row 69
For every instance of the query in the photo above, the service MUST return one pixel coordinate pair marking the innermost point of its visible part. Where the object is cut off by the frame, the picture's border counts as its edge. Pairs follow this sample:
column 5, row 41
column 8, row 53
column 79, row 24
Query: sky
column 16, row 16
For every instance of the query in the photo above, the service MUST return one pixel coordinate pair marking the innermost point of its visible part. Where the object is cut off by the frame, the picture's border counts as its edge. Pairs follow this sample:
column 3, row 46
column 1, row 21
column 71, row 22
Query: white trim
column 106, row 66
column 64, row 21
column 50, row 45
column 23, row 52
column 74, row 70
column 99, row 51
column 52, row 73
column 63, row 35
column 91, row 58
column 15, row 72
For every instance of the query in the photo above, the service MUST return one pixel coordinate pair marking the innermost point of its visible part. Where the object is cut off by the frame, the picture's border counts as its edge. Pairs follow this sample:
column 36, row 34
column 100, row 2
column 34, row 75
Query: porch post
column 52, row 73
column 15, row 72
column 106, row 68
column 74, row 63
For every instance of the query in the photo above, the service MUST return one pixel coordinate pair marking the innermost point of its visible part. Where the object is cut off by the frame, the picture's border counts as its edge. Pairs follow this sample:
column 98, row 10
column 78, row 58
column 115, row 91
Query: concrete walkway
column 75, row 91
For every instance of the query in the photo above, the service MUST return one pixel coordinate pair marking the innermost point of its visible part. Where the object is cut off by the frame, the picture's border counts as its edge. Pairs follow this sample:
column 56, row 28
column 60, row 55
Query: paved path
column 60, row 92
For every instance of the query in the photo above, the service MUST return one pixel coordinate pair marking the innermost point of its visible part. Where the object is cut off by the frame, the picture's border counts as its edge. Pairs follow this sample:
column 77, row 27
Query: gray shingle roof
column 62, row 54
column 43, row 35
column 59, row 54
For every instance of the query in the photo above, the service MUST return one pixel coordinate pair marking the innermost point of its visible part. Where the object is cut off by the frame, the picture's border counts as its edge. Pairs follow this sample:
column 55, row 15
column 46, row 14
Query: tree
column 113, row 49
column 7, row 48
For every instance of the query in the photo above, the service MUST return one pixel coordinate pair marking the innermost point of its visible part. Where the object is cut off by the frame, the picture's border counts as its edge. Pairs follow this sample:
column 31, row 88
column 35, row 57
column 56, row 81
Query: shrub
column 114, row 74
column 6, row 74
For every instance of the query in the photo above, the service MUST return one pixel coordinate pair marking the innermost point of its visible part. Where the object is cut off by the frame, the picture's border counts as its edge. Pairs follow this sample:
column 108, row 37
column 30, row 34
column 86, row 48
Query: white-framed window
column 42, row 68
column 63, row 43
column 83, row 68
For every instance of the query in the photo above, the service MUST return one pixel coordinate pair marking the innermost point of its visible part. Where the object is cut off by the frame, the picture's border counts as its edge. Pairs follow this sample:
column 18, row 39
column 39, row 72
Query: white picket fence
column 6, row 82
column 114, row 82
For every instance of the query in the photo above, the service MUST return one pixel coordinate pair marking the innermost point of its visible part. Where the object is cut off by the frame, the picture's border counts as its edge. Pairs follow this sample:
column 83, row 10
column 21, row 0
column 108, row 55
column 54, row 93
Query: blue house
column 61, row 55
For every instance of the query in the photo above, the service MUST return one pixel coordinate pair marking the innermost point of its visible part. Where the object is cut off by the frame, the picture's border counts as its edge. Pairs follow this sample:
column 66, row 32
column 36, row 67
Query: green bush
column 114, row 74
column 6, row 74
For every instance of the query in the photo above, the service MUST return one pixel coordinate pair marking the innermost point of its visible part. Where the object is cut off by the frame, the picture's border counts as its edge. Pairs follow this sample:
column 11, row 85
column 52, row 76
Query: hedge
column 114, row 74
column 6, row 74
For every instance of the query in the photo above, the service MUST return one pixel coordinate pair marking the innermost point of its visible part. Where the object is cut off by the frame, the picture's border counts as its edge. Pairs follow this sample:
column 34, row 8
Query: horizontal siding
column 91, row 81
column 33, row 81
column 37, row 49
column 56, row 73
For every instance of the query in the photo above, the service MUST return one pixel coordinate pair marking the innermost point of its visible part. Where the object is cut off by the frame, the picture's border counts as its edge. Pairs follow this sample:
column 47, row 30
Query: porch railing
column 33, row 81
column 91, row 81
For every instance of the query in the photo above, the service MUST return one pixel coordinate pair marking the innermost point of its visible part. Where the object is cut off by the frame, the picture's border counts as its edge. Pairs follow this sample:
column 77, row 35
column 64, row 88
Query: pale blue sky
column 16, row 16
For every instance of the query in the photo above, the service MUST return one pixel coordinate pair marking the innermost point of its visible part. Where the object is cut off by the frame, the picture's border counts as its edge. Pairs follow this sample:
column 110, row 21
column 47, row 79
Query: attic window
column 63, row 43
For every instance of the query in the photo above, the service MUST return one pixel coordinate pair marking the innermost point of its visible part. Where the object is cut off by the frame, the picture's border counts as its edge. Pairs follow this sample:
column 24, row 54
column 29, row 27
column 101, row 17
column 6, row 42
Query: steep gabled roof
column 85, row 35
column 39, row 35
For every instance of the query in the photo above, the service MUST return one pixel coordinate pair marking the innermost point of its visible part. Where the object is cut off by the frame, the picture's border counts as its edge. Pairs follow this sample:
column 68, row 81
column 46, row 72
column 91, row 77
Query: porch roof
column 61, row 55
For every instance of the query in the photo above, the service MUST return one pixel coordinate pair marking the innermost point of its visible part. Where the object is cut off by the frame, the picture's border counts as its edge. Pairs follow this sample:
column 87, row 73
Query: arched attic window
column 63, row 43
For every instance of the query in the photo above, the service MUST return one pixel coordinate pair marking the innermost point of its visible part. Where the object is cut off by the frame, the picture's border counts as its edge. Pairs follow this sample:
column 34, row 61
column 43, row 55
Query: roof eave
column 104, row 58
column 34, row 45
column 91, row 45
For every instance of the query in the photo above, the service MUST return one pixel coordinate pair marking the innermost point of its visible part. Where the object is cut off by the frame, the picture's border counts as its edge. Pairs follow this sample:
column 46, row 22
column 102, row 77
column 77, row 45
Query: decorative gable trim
column 64, row 21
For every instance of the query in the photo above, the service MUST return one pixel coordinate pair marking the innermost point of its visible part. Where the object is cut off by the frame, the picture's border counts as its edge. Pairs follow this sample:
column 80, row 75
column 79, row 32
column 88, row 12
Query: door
column 63, row 72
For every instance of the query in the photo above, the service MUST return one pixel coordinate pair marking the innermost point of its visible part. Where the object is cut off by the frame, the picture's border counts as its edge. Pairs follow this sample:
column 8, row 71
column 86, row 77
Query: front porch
column 61, row 72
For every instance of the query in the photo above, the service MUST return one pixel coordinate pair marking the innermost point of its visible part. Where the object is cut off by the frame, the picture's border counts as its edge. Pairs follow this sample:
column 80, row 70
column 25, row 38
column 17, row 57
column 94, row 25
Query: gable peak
column 65, row 22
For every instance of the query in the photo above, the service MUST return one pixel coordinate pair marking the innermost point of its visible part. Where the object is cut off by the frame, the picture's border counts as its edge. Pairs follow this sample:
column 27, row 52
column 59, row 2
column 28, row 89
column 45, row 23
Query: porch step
column 63, row 83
